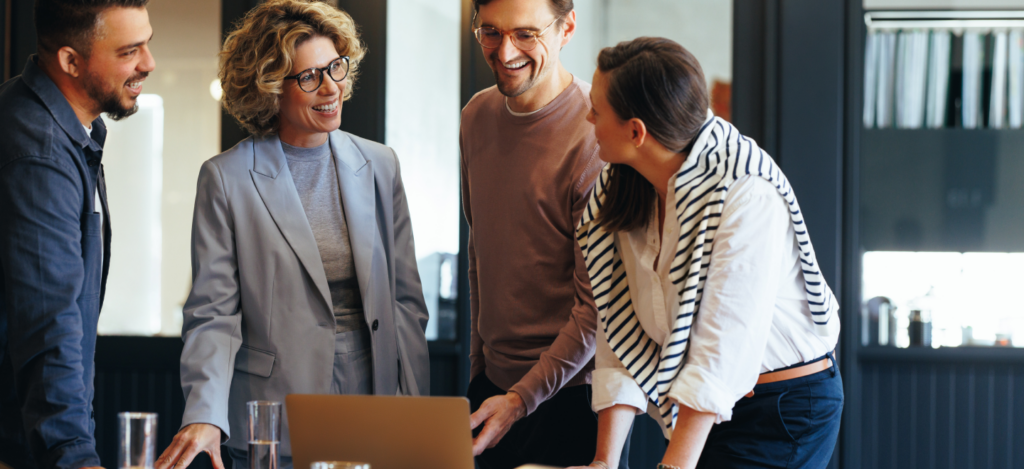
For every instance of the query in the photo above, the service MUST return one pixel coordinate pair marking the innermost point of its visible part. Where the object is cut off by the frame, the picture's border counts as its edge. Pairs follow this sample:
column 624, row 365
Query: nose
column 590, row 117
column 148, row 63
column 507, row 50
column 330, row 87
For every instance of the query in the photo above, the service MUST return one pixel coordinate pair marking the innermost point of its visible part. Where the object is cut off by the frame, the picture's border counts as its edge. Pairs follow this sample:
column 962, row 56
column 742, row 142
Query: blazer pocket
column 254, row 361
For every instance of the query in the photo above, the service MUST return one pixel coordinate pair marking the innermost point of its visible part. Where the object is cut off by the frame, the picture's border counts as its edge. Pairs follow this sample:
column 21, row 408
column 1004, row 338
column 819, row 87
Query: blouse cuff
column 613, row 386
column 699, row 390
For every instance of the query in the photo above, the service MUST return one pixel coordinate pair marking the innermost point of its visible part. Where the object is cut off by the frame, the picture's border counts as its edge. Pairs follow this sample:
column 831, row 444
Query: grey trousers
column 353, row 374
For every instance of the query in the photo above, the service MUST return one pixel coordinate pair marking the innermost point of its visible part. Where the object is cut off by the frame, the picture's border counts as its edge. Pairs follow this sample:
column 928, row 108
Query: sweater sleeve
column 573, row 348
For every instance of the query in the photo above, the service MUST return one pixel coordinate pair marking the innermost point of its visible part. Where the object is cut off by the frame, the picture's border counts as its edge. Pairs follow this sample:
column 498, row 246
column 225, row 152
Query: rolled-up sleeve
column 731, row 328
column 612, row 383
column 41, row 256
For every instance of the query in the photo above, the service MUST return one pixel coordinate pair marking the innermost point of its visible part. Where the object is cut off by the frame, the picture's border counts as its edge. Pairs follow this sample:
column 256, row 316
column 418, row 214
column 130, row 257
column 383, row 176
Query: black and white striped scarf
column 700, row 189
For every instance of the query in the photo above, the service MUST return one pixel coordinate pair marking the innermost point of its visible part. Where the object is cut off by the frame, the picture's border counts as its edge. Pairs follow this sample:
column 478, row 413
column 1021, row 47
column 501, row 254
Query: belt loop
column 832, row 355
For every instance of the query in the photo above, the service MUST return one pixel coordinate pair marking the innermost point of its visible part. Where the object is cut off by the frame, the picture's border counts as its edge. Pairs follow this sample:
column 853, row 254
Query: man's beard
column 110, row 100
column 508, row 89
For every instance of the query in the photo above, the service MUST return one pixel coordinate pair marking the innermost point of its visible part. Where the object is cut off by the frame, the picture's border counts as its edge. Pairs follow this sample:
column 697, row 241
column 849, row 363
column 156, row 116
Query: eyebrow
column 528, row 28
column 137, row 44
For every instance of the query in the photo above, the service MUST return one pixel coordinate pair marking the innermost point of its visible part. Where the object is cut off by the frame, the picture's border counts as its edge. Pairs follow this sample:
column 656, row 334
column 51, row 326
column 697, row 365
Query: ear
column 568, row 27
column 70, row 61
column 638, row 132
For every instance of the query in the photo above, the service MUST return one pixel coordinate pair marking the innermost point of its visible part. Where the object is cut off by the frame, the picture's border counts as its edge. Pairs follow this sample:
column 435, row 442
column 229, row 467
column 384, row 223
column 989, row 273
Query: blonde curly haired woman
column 304, row 274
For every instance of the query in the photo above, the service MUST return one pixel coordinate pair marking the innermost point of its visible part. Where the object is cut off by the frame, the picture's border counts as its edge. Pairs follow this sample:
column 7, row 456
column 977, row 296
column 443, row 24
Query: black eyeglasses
column 309, row 80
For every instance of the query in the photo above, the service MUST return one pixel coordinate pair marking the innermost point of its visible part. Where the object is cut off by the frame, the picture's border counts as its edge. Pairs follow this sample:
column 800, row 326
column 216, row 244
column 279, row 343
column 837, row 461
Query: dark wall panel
column 942, row 415
column 23, row 35
column 811, row 120
column 755, row 71
column 232, row 11
column 5, row 40
column 363, row 115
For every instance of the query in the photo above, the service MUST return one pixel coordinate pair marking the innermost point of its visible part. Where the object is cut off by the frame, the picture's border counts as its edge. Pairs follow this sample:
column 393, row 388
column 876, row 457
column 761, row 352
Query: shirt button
column 375, row 324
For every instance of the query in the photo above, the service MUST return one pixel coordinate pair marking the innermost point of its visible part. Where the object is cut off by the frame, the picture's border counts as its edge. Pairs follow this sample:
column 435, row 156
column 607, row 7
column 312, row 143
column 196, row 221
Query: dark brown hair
column 559, row 7
column 72, row 23
column 659, row 82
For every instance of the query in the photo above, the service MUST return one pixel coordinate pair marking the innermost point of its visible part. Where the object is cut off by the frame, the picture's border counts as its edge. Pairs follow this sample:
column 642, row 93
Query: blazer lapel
column 274, row 182
column 355, row 178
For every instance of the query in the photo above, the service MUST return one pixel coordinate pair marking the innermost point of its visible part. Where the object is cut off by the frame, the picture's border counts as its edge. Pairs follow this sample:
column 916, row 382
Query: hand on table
column 498, row 414
column 188, row 443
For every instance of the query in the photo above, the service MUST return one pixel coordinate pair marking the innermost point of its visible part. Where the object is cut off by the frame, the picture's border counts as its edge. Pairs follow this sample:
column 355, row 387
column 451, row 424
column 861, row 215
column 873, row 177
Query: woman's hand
column 188, row 443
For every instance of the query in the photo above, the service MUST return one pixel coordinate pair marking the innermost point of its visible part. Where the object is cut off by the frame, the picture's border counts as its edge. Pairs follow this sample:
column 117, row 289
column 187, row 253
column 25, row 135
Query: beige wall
column 704, row 27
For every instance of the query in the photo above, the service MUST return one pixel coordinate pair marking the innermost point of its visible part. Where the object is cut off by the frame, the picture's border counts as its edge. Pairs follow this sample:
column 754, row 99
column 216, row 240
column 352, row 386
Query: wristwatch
column 666, row 466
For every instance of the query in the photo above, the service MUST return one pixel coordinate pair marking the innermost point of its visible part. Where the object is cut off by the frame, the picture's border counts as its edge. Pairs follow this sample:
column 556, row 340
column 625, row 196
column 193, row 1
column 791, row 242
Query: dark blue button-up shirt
column 54, row 249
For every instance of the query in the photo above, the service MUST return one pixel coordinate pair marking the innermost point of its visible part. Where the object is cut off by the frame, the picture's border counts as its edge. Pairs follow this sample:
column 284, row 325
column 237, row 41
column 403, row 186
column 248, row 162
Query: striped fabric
column 701, row 186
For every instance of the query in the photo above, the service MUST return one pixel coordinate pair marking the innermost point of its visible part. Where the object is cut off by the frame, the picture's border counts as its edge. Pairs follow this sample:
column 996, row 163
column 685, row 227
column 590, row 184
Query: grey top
column 316, row 178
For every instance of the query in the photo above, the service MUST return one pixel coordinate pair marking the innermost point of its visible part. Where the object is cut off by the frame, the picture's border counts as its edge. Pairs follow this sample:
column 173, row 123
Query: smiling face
column 306, row 118
column 517, row 71
column 119, row 61
column 615, row 136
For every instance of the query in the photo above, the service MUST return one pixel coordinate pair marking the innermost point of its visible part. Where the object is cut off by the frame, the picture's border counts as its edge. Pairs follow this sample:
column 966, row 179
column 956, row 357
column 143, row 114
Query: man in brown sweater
column 529, row 161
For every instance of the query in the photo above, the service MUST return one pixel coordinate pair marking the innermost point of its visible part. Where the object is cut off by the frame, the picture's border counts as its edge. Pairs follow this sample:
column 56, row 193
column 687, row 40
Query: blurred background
column 897, row 121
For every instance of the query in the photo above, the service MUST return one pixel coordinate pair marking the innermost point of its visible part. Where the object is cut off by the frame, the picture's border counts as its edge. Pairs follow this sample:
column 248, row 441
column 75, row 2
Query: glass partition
column 422, row 126
column 151, row 163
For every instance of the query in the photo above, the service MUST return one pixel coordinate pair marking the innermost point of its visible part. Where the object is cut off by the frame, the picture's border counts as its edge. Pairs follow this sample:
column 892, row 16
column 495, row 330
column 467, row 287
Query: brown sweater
column 525, row 183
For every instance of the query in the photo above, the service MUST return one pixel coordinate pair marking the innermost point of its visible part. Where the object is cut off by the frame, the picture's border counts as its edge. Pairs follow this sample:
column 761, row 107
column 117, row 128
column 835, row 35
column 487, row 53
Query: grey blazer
column 258, row 322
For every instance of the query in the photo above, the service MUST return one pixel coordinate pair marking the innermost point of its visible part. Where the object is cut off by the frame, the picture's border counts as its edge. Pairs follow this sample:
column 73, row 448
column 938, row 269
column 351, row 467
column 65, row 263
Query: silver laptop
column 387, row 432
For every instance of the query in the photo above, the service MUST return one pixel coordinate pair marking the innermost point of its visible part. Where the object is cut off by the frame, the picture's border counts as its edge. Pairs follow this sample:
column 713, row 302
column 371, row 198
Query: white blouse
column 753, row 315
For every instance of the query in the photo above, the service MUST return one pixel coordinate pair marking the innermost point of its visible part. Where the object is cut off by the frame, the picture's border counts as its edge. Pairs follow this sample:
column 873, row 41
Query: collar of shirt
column 60, row 108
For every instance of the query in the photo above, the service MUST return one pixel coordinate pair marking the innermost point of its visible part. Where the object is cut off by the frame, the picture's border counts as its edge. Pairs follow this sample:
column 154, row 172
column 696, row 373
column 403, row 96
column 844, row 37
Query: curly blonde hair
column 259, row 53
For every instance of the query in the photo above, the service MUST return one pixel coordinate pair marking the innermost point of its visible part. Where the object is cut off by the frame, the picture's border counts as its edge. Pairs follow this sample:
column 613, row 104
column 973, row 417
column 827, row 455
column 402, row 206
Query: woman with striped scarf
column 715, row 318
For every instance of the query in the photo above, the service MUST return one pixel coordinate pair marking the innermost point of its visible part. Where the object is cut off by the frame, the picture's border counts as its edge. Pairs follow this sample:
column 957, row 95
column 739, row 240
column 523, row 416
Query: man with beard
column 529, row 160
column 54, row 234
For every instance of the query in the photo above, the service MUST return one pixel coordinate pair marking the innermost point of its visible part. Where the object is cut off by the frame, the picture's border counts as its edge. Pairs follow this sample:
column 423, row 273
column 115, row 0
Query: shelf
column 950, row 189
column 1001, row 355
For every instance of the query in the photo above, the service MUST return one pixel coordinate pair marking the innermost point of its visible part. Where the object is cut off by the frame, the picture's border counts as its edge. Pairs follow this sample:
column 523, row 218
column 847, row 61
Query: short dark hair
column 661, row 83
column 559, row 7
column 72, row 23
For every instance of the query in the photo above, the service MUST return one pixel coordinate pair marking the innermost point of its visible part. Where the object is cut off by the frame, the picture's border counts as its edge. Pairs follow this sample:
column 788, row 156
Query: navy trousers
column 786, row 424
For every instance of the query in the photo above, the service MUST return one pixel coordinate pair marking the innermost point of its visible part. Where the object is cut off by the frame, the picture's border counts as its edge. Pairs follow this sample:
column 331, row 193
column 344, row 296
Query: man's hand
column 499, row 413
column 188, row 443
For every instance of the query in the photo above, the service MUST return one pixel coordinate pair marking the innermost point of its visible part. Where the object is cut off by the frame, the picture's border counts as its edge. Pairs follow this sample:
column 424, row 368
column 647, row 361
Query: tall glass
column 264, row 434
column 137, row 433
column 339, row 465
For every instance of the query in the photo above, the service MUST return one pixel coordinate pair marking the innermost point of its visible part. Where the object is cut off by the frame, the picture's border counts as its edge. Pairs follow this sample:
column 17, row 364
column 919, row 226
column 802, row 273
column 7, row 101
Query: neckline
column 544, row 111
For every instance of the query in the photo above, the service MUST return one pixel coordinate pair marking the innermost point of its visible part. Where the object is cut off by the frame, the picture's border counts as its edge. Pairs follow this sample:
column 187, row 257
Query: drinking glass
column 339, row 465
column 137, row 433
column 264, row 434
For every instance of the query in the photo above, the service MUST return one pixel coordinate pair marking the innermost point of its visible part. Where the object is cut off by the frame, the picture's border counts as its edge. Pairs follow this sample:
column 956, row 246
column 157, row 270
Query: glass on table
column 264, row 434
column 339, row 465
column 137, row 433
